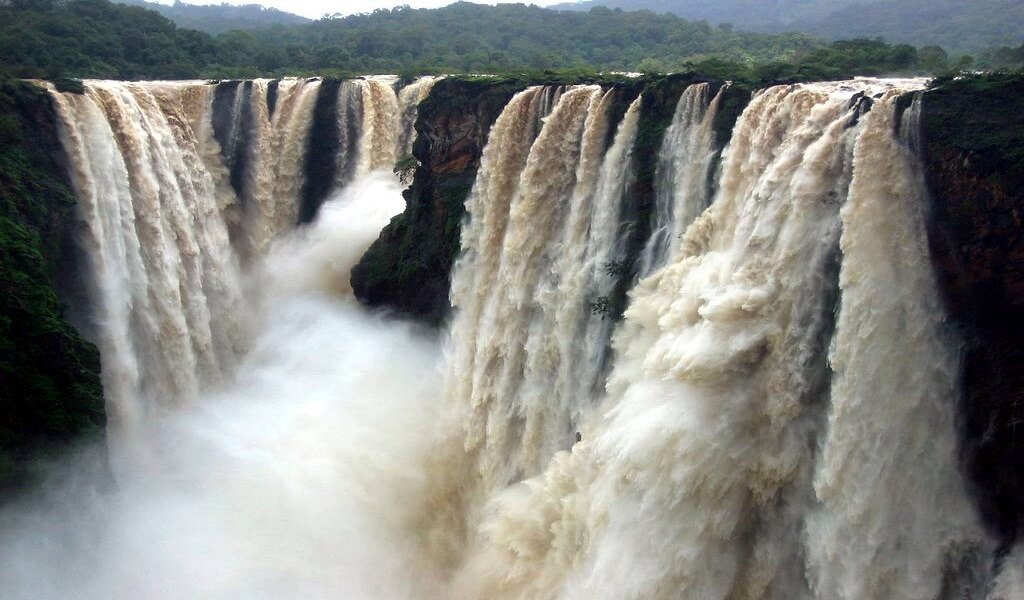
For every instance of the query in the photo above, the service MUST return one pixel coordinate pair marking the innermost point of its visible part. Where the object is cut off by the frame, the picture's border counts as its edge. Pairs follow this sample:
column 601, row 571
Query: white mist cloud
column 298, row 480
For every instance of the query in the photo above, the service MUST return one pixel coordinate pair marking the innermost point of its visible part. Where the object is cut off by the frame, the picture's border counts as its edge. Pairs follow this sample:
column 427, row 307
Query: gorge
column 655, row 337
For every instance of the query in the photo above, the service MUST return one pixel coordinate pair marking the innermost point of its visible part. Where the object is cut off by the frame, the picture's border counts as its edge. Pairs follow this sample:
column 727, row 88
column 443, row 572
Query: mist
column 298, row 479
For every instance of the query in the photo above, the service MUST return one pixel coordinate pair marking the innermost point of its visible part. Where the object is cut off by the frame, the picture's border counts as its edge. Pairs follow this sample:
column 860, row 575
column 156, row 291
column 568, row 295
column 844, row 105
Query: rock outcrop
column 408, row 268
column 973, row 138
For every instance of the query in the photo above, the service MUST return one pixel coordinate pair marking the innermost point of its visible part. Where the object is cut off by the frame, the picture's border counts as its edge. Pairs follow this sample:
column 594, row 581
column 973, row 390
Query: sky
column 317, row 8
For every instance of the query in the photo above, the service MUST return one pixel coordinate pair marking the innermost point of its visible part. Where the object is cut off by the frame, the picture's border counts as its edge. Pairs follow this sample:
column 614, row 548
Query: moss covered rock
column 50, row 391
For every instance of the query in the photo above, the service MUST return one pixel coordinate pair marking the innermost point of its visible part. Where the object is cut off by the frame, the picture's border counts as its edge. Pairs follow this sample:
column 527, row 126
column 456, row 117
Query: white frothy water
column 298, row 479
column 1010, row 582
column 682, row 184
column 527, row 349
column 170, row 315
column 165, row 283
column 777, row 424
column 728, row 460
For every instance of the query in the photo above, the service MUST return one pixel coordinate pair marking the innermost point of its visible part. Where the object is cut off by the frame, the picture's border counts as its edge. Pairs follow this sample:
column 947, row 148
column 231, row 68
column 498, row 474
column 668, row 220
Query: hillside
column 746, row 14
column 214, row 18
column 99, row 39
column 95, row 38
column 955, row 25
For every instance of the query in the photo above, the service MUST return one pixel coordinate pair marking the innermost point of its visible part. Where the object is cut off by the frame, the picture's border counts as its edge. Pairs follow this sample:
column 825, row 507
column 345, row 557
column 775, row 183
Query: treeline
column 218, row 18
column 469, row 37
column 959, row 26
column 50, row 387
column 95, row 38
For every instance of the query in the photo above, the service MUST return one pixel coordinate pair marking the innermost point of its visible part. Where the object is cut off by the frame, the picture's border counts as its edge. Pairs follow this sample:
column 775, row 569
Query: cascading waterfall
column 378, row 141
column 374, row 124
column 264, row 150
column 683, row 183
column 409, row 99
column 165, row 283
column 890, row 426
column 277, row 153
column 163, row 180
column 743, row 450
column 556, row 205
column 772, row 418
column 265, row 135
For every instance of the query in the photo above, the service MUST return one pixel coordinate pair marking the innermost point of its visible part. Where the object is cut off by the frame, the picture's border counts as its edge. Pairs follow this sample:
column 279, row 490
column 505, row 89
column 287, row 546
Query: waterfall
column 180, row 185
column 543, row 221
column 277, row 156
column 682, row 183
column 262, row 128
column 747, row 446
column 890, row 343
column 165, row 282
column 376, row 126
column 771, row 418
column 409, row 99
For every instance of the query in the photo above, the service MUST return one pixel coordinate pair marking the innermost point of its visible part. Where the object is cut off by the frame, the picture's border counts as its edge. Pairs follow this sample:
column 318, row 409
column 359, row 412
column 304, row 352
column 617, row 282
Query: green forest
column 49, row 376
column 959, row 26
column 96, row 38
column 218, row 18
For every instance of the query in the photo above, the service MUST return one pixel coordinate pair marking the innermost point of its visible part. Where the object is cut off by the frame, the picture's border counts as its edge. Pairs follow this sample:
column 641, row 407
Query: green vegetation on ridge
column 218, row 18
column 959, row 26
column 95, row 38
column 50, row 392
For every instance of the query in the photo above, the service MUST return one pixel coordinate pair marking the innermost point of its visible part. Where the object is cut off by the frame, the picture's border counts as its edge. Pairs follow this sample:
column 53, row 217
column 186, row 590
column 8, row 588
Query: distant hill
column 957, row 25
column 218, row 18
column 95, row 38
column 762, row 15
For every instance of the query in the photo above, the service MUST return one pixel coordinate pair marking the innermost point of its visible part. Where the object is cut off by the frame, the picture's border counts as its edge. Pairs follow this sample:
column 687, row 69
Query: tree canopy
column 96, row 38
column 958, row 26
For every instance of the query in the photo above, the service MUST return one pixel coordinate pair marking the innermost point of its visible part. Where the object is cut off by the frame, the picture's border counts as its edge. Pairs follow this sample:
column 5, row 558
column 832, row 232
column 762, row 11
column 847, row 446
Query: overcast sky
column 317, row 8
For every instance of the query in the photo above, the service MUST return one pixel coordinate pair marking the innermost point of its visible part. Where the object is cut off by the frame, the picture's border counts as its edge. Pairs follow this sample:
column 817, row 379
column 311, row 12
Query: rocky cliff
column 408, row 269
column 973, row 136
column 50, row 389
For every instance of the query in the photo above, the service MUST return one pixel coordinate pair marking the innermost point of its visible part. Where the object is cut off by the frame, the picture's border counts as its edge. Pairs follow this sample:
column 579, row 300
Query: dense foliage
column 468, row 37
column 50, row 390
column 94, row 38
column 956, row 25
column 746, row 14
column 218, row 18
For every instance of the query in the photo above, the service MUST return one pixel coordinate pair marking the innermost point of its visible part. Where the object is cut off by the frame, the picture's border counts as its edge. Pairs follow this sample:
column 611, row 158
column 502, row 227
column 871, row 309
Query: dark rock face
column 408, row 269
column 973, row 134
